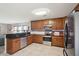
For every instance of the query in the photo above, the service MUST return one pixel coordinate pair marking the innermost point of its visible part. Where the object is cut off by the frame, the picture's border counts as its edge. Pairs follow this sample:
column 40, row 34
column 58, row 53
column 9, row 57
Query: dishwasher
column 23, row 42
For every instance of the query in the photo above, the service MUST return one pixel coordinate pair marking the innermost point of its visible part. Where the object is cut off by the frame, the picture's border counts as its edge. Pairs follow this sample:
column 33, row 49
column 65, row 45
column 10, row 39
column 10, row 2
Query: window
column 25, row 28
column 19, row 29
column 14, row 29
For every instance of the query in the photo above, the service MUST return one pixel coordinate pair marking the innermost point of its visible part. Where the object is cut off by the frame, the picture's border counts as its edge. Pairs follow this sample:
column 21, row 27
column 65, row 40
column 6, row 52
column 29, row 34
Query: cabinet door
column 45, row 22
column 61, row 41
column 9, row 46
column 16, row 44
column 54, row 41
column 29, row 40
column 58, row 41
column 54, row 26
column 13, row 45
column 37, row 39
column 58, row 24
column 39, row 25
column 36, row 25
column 33, row 25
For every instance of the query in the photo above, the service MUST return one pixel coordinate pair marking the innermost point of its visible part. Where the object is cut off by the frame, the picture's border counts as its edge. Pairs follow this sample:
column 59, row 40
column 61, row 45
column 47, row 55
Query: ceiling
column 22, row 12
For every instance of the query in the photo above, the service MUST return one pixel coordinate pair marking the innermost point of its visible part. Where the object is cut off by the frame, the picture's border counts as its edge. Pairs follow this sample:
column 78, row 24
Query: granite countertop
column 19, row 35
column 16, row 35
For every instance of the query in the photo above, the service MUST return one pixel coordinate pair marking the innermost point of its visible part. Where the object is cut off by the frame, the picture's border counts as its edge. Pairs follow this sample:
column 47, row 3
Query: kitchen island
column 16, row 42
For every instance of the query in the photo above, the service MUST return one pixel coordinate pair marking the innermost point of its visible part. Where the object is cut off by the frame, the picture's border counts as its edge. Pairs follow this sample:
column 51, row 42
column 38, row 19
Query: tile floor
column 38, row 50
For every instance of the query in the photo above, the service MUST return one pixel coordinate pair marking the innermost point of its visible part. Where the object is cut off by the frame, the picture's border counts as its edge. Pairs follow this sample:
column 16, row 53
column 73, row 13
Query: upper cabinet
column 36, row 25
column 56, row 24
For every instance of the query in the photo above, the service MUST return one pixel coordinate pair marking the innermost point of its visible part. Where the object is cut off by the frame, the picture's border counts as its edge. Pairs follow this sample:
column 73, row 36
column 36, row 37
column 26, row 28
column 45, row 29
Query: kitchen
column 45, row 36
column 43, row 31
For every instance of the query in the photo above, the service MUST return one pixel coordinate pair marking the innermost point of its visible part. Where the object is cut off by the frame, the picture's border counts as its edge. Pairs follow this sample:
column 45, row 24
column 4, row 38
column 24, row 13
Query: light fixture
column 41, row 11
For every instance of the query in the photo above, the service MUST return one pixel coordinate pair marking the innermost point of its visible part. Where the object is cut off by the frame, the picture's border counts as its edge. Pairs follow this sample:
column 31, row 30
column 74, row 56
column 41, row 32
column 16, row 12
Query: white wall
column 3, row 28
column 76, row 20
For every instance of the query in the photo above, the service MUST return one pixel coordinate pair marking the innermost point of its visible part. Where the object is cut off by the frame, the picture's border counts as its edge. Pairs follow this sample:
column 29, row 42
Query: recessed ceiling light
column 41, row 11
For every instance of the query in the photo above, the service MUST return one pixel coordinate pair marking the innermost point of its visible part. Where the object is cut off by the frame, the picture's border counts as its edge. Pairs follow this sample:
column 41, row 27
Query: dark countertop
column 16, row 35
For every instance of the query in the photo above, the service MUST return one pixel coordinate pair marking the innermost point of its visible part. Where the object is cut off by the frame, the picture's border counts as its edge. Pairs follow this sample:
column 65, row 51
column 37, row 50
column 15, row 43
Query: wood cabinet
column 57, row 24
column 36, row 25
column 29, row 40
column 37, row 38
column 13, row 45
column 57, row 41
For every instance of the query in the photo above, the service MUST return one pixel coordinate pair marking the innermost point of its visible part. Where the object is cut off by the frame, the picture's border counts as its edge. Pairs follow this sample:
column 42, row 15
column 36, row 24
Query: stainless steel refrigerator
column 71, row 32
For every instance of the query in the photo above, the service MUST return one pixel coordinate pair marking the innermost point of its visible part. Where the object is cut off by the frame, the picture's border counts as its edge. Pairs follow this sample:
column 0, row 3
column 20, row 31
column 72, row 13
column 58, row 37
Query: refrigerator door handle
column 64, row 53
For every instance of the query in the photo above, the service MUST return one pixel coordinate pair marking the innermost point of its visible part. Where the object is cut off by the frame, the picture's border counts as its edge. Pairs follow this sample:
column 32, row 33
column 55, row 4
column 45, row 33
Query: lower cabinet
column 37, row 38
column 13, row 45
column 29, row 40
column 58, row 41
